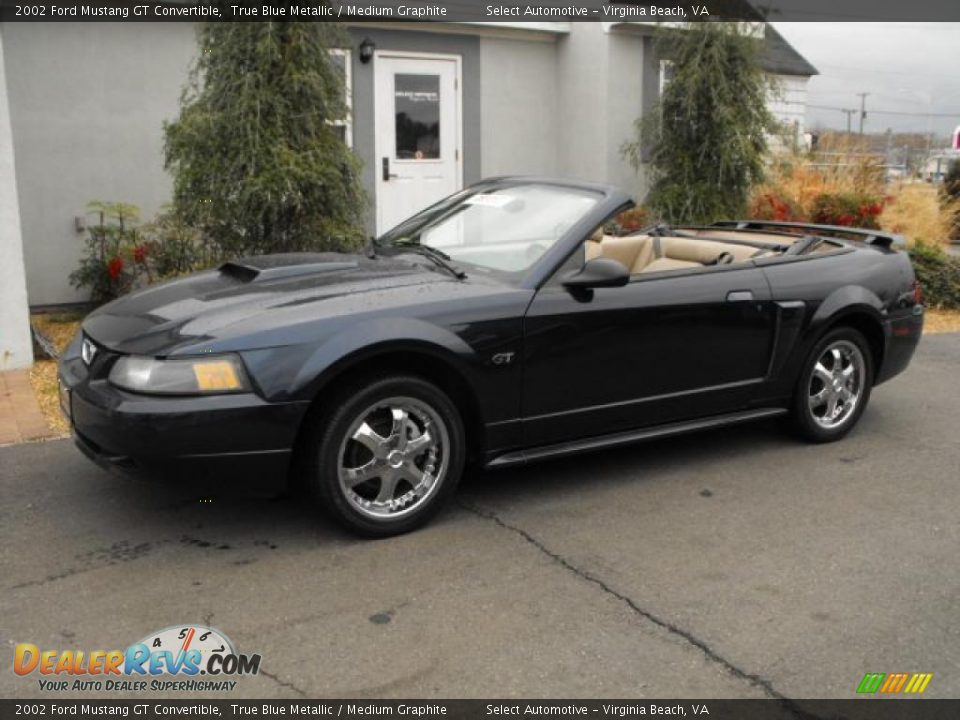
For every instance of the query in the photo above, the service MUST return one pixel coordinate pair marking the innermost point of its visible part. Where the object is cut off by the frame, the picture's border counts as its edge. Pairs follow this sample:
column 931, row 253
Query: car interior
column 689, row 248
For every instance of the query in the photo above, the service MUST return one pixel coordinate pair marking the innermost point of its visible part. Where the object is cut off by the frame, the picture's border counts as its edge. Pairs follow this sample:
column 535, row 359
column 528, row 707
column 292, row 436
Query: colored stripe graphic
column 871, row 682
column 918, row 683
column 893, row 683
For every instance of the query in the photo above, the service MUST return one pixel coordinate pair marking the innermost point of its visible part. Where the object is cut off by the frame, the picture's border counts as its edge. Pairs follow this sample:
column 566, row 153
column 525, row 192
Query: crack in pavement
column 284, row 683
column 711, row 654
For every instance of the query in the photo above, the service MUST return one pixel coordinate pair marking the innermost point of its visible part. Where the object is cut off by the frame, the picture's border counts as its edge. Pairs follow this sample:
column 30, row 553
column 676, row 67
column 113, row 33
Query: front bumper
column 228, row 438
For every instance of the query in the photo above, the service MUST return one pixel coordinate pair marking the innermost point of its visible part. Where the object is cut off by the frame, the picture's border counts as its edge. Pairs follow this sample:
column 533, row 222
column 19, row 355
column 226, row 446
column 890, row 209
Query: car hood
column 249, row 295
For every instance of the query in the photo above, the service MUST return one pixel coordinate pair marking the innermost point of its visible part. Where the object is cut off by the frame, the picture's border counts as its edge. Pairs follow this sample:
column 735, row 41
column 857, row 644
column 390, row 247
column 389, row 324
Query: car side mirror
column 600, row 272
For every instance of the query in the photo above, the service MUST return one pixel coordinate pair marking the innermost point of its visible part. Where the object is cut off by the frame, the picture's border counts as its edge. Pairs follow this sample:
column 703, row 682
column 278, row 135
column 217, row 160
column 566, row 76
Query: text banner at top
column 478, row 11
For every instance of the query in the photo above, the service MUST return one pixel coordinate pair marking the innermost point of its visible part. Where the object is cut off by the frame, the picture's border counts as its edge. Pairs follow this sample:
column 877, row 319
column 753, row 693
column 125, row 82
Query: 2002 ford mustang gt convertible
column 501, row 325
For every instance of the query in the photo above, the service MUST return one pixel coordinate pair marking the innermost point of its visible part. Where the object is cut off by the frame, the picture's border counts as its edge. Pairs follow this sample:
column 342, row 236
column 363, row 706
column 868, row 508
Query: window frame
column 347, row 122
column 666, row 67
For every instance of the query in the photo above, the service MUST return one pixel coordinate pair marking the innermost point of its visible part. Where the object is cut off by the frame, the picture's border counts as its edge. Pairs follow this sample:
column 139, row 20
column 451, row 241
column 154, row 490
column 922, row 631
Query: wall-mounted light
column 366, row 50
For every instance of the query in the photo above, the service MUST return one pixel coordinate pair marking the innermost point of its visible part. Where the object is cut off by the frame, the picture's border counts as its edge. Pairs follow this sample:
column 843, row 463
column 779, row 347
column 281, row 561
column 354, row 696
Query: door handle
column 386, row 170
column 739, row 296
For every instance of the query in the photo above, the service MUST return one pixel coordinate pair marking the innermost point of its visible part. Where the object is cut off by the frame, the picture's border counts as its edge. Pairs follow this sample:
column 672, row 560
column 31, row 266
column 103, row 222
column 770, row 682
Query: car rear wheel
column 834, row 387
column 387, row 455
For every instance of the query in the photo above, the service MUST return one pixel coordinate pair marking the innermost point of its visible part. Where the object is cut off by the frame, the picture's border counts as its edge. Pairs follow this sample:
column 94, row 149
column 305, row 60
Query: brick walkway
column 20, row 415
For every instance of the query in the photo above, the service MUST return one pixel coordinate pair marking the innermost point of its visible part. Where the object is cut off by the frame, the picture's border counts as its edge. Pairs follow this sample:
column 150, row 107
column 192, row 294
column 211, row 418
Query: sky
column 905, row 68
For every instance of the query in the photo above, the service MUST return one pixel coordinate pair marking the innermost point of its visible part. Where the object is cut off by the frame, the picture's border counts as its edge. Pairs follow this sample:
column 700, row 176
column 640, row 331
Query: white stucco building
column 435, row 106
column 16, row 348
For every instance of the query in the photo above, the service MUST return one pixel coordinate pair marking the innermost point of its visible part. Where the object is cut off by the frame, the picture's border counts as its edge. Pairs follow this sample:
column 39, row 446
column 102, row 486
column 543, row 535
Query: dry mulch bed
column 59, row 329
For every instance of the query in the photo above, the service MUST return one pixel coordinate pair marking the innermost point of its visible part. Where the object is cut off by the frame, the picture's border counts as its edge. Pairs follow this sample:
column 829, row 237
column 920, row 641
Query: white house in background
column 792, row 73
column 435, row 106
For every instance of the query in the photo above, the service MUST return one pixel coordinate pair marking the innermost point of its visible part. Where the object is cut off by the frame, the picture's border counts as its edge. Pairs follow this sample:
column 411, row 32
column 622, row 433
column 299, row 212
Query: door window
column 417, row 116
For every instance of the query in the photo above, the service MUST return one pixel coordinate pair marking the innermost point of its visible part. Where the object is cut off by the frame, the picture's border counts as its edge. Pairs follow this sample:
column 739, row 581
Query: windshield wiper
column 439, row 257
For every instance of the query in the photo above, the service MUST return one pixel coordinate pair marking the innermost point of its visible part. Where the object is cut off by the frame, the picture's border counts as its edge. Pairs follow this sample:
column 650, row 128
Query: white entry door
column 417, row 106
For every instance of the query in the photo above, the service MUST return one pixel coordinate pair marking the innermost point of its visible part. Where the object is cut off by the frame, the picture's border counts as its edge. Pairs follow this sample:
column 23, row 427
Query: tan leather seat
column 592, row 246
column 662, row 264
column 633, row 251
column 705, row 252
column 644, row 253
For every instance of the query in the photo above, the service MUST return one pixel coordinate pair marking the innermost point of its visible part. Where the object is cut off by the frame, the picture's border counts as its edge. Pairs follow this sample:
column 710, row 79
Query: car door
column 666, row 347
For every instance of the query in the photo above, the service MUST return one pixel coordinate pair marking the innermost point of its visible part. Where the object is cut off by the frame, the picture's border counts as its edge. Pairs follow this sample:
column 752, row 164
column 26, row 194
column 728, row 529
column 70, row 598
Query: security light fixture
column 366, row 50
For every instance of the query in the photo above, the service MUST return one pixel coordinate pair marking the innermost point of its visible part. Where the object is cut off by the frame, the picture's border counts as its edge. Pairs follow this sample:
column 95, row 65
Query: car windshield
column 497, row 227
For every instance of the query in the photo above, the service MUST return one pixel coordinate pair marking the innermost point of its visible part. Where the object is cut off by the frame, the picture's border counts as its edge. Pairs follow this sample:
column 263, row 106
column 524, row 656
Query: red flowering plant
column 114, row 258
column 629, row 221
column 847, row 209
column 115, row 268
column 771, row 206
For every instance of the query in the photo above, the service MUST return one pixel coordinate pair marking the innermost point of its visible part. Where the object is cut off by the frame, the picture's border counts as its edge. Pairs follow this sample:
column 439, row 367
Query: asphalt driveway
column 735, row 563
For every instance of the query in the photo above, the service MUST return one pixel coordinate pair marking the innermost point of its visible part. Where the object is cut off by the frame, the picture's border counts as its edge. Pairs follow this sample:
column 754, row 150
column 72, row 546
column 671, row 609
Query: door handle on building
column 386, row 170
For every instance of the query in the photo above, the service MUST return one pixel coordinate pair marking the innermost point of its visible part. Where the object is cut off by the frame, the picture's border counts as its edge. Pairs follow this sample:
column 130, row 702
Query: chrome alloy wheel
column 393, row 457
column 836, row 384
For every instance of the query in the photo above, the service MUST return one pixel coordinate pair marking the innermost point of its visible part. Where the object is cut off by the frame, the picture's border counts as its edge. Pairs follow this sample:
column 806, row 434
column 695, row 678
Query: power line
column 874, row 70
column 889, row 112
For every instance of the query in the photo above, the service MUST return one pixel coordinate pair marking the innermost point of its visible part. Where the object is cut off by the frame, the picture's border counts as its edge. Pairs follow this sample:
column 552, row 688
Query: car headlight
column 189, row 376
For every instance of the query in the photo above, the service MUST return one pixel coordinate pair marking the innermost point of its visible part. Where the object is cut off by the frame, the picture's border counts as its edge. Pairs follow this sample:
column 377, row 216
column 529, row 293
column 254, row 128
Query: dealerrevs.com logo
column 171, row 659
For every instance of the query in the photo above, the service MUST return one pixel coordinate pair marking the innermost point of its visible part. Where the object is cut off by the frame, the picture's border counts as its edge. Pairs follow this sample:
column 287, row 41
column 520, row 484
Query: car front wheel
column 834, row 387
column 388, row 455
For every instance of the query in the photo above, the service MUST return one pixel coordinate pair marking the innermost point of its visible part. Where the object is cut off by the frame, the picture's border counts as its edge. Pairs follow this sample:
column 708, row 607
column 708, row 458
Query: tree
column 258, row 165
column 707, row 138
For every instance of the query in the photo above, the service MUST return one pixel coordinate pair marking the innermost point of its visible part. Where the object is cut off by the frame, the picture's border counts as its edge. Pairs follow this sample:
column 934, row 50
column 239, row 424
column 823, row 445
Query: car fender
column 842, row 302
column 845, row 301
column 374, row 337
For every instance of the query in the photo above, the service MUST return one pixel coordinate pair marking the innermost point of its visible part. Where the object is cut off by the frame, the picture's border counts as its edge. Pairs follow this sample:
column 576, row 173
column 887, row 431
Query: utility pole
column 863, row 109
column 849, row 114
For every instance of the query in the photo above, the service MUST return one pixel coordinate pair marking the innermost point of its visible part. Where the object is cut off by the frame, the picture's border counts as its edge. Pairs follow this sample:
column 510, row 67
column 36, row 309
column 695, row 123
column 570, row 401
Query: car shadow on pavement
column 634, row 463
column 104, row 520
column 217, row 517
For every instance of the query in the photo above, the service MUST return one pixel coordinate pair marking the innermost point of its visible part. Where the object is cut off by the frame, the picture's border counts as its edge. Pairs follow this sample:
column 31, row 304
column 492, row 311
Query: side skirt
column 573, row 447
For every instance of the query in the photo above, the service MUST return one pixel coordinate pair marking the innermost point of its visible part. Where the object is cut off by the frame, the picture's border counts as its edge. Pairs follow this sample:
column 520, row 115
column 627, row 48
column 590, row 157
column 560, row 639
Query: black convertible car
column 502, row 326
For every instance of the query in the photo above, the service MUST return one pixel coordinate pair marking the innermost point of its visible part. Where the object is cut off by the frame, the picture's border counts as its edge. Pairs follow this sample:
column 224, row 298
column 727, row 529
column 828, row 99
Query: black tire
column 805, row 418
column 325, row 438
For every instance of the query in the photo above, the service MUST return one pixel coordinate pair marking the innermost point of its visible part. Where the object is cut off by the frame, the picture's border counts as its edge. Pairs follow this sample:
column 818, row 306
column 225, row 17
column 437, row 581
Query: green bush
column 951, row 181
column 938, row 274
column 174, row 248
column 951, row 198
